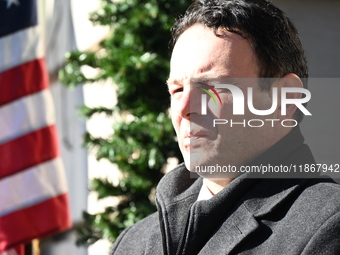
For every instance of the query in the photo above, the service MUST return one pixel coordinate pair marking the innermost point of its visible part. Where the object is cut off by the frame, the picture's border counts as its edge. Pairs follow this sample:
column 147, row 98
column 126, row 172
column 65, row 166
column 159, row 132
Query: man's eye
column 178, row 90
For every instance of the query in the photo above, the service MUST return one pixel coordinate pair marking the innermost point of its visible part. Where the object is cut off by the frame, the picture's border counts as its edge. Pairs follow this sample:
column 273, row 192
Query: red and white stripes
column 33, row 190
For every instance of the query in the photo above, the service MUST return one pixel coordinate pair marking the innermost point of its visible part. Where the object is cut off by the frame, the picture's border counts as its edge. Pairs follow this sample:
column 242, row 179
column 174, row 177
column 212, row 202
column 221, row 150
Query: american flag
column 33, row 190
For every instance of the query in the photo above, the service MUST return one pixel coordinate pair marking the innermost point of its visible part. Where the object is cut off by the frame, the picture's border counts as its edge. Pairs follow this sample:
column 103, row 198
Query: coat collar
column 233, row 213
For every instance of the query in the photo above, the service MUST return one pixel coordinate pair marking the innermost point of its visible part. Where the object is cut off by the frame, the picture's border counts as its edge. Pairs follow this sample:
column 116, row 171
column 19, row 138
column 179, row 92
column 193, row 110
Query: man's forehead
column 199, row 53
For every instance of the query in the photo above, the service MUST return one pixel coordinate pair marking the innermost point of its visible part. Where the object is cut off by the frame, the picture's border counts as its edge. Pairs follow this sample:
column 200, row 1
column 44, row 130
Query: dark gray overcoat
column 249, row 216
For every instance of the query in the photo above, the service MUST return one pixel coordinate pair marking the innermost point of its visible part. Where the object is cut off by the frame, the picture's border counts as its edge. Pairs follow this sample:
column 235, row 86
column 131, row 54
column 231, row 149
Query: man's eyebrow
column 172, row 81
column 214, row 81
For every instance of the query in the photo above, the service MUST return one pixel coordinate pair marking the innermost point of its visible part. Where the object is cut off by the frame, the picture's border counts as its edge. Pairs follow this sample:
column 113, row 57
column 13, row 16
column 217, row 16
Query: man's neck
column 216, row 185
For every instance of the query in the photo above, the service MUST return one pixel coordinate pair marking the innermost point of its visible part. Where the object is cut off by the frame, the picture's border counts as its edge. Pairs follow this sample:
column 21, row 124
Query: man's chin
column 195, row 159
column 188, row 166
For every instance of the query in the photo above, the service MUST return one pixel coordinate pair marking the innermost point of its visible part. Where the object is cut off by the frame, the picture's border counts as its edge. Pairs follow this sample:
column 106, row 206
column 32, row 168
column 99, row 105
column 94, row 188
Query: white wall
column 318, row 22
column 68, row 28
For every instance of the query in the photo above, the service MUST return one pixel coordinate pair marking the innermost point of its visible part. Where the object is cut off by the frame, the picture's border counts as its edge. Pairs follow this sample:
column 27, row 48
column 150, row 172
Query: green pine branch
column 135, row 56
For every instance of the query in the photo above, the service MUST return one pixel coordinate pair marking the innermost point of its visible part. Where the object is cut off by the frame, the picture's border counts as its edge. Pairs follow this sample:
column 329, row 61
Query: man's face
column 197, row 54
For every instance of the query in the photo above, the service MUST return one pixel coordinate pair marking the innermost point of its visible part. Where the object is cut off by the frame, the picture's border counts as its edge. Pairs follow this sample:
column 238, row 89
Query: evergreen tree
column 136, row 57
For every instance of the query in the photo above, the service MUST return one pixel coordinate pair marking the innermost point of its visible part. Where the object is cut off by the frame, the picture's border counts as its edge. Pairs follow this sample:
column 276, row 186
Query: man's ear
column 290, row 80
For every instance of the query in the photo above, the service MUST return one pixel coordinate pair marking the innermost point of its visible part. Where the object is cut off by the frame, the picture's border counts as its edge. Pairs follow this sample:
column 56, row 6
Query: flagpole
column 28, row 249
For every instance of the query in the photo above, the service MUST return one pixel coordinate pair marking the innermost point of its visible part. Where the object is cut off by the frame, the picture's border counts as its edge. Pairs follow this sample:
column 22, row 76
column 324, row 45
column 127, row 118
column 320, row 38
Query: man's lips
column 189, row 138
column 194, row 136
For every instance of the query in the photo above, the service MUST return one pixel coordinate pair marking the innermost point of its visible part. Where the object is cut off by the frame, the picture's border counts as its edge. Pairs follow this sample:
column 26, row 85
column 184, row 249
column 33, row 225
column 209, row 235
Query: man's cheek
column 176, row 123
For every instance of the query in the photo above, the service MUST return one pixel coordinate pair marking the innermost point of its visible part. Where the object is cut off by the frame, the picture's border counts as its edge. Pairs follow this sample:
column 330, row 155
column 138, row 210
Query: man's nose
column 190, row 103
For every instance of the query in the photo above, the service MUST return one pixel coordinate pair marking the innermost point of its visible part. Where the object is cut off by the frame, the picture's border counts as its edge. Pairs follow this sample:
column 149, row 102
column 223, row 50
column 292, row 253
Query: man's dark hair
column 274, row 39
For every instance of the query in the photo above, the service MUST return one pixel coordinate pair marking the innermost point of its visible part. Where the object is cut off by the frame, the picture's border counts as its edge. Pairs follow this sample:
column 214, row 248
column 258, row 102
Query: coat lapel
column 231, row 233
column 262, row 199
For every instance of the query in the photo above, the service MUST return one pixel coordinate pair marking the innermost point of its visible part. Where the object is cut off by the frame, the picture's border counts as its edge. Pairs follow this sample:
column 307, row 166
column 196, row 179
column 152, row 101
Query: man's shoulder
column 300, row 213
column 322, row 193
column 141, row 227
column 134, row 239
column 315, row 217
column 315, row 202
column 316, row 195
column 297, row 201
